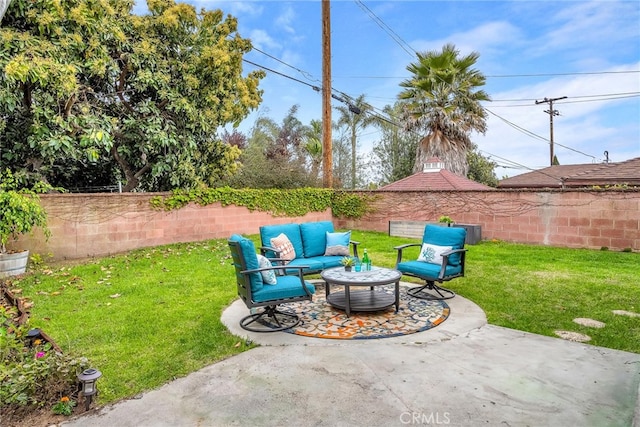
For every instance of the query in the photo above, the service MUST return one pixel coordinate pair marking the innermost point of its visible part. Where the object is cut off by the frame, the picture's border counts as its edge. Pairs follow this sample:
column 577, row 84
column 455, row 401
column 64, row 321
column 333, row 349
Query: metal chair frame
column 270, row 318
column 441, row 293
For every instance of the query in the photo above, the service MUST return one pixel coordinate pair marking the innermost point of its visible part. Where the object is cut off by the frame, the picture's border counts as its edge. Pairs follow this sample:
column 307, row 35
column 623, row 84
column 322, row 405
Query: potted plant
column 348, row 263
column 444, row 219
column 20, row 213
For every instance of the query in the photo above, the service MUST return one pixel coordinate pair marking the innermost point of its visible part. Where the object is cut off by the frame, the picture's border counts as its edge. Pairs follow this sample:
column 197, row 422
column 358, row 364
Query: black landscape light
column 88, row 379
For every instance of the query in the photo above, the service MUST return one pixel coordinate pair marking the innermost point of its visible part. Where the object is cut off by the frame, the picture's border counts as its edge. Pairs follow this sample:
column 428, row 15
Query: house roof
column 434, row 177
column 559, row 176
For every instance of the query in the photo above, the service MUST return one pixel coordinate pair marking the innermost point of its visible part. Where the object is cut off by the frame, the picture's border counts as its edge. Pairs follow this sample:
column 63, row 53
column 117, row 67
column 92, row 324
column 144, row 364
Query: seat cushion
column 312, row 264
column 292, row 231
column 329, row 261
column 427, row 270
column 251, row 260
column 445, row 236
column 313, row 235
column 286, row 287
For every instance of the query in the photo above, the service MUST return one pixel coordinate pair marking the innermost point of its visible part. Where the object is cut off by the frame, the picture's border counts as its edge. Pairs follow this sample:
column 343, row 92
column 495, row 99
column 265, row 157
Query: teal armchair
column 442, row 258
column 263, row 292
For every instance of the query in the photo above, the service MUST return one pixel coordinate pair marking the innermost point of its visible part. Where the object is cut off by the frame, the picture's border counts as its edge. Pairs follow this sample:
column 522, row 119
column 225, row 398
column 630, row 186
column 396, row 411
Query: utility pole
column 551, row 113
column 327, row 150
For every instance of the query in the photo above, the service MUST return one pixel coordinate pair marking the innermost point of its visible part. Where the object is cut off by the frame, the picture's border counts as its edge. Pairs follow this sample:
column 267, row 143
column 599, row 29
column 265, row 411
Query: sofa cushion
column 314, row 237
column 284, row 247
column 268, row 276
column 445, row 236
column 338, row 243
column 251, row 260
column 329, row 261
column 292, row 231
column 432, row 253
column 287, row 287
column 312, row 264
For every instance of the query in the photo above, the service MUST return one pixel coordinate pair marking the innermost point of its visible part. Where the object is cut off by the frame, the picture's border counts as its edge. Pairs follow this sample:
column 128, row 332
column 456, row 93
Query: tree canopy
column 443, row 99
column 91, row 91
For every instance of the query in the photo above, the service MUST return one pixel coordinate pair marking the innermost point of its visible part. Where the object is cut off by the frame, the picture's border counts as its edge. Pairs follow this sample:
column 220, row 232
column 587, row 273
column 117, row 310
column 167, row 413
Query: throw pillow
column 268, row 276
column 283, row 244
column 338, row 243
column 432, row 253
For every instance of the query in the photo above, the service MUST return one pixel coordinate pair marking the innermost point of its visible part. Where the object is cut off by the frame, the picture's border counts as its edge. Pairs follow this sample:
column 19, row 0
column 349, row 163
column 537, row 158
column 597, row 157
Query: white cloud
column 285, row 20
column 262, row 40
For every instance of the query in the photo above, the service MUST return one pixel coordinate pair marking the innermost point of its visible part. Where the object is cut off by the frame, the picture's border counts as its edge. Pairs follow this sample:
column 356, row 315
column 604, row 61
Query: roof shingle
column 558, row 176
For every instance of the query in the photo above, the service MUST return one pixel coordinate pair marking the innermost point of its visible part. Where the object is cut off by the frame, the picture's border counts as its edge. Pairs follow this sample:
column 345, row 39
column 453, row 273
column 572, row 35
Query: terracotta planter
column 13, row 264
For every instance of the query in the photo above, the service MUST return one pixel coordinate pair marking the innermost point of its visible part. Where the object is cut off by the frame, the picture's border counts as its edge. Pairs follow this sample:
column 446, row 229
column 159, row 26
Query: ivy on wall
column 295, row 202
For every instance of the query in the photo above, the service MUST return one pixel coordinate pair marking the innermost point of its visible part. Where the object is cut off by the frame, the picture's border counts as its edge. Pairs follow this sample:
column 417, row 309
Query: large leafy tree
column 87, row 86
column 394, row 153
column 276, row 155
column 354, row 118
column 443, row 99
column 481, row 168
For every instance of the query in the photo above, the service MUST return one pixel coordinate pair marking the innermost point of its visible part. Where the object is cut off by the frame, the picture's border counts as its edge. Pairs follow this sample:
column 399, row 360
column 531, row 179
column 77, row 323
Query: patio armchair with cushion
column 262, row 290
column 442, row 258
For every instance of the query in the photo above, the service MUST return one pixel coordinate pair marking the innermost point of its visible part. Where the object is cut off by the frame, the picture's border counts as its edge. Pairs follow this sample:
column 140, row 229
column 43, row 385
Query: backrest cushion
column 292, row 231
column 313, row 235
column 251, row 260
column 338, row 243
column 284, row 246
column 445, row 236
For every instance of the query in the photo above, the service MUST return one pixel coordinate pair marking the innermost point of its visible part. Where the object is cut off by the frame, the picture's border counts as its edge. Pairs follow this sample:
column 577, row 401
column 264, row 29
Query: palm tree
column 355, row 119
column 313, row 147
column 443, row 99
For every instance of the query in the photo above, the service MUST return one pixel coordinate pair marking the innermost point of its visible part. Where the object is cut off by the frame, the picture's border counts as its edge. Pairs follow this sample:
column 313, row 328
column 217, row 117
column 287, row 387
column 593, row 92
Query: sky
column 586, row 51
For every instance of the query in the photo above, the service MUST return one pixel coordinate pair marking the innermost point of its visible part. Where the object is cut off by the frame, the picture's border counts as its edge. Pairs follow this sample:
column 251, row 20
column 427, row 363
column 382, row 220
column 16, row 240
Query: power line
column 536, row 136
column 403, row 44
column 307, row 75
column 387, row 120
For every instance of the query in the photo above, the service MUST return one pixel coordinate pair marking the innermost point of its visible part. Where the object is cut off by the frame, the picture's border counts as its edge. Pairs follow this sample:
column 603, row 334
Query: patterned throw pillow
column 432, row 253
column 268, row 276
column 283, row 244
column 338, row 243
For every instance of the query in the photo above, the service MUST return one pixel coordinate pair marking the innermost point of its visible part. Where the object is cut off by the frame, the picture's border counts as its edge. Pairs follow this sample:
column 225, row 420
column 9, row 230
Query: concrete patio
column 464, row 372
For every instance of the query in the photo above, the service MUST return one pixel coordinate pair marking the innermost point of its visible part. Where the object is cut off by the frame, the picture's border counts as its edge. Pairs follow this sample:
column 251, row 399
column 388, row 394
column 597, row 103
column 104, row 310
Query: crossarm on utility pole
column 551, row 113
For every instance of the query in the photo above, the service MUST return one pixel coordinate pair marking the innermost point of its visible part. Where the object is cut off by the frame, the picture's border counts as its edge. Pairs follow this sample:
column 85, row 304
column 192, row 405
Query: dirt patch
column 20, row 416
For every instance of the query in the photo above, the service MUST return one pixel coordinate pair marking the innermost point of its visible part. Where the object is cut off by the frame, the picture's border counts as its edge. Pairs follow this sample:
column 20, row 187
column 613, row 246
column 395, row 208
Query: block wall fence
column 92, row 225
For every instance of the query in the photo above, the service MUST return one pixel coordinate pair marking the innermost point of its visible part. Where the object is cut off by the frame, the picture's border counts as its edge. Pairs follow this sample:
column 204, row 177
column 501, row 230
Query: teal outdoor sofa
column 310, row 242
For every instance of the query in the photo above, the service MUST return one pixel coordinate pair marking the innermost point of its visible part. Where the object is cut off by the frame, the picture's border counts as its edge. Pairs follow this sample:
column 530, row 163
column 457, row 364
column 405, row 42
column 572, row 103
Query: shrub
column 33, row 373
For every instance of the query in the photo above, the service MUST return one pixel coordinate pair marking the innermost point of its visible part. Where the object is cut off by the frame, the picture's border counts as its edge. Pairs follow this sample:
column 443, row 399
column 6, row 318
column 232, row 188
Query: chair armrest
column 445, row 260
column 400, row 248
column 264, row 249
column 354, row 245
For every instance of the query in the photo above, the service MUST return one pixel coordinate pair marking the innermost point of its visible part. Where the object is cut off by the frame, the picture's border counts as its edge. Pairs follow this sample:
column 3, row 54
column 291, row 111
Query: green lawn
column 148, row 316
